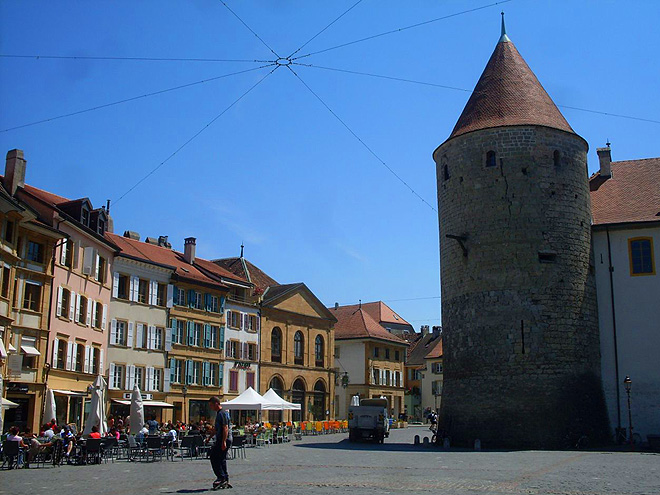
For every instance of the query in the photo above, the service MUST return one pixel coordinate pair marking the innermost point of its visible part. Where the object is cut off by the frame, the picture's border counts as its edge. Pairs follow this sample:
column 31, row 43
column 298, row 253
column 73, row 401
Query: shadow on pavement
column 365, row 445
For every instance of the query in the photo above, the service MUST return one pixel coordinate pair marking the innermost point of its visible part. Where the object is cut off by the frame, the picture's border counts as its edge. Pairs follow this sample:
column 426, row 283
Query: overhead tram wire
column 464, row 90
column 250, row 29
column 402, row 29
column 373, row 153
column 126, row 100
column 134, row 59
column 322, row 30
column 195, row 135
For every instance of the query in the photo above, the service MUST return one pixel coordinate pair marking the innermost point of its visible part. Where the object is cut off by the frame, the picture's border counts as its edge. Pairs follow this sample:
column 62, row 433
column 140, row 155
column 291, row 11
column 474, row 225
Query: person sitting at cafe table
column 95, row 432
column 14, row 437
column 69, row 441
column 35, row 445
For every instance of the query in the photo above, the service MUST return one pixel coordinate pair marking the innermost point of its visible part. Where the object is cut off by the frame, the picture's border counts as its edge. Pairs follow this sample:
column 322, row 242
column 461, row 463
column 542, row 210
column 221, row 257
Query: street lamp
column 627, row 382
column 184, row 390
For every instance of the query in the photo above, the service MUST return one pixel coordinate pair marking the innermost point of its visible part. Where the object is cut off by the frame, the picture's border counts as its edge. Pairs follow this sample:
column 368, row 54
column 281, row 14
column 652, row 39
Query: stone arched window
column 277, row 385
column 299, row 348
column 298, row 397
column 276, row 345
column 319, row 351
column 319, row 401
column 491, row 159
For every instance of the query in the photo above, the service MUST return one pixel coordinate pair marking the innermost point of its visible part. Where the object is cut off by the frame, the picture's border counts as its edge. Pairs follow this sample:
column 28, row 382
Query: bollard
column 426, row 442
column 477, row 444
column 416, row 439
column 445, row 443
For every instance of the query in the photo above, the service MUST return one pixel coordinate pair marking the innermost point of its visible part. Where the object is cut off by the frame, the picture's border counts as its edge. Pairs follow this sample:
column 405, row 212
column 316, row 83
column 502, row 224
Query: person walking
column 223, row 440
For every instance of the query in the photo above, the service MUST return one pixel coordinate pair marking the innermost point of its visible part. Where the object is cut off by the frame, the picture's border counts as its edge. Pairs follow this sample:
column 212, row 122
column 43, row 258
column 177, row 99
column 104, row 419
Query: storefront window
column 199, row 410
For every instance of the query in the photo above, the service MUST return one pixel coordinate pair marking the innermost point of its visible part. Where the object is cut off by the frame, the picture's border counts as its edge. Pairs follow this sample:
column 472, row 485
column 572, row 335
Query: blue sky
column 277, row 171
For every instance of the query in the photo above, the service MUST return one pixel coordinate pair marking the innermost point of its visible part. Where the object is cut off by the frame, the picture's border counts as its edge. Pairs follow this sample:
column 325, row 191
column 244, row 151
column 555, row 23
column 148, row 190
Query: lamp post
column 627, row 382
column 184, row 414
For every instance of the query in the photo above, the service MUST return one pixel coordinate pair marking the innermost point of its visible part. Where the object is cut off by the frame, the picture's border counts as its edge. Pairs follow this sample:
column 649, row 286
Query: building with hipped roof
column 625, row 204
column 297, row 340
column 196, row 325
column 80, row 295
column 432, row 376
column 27, row 243
column 369, row 359
column 140, row 336
column 414, row 371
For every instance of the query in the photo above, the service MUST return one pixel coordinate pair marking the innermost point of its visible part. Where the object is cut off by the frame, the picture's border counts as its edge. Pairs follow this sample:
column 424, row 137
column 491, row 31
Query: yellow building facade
column 297, row 343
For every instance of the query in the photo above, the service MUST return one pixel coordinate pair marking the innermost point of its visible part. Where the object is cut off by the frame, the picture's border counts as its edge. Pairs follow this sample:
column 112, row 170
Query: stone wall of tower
column 521, row 341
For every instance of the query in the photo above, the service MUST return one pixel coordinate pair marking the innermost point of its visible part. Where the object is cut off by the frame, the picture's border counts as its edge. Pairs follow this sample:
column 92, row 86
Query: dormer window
column 84, row 216
column 101, row 229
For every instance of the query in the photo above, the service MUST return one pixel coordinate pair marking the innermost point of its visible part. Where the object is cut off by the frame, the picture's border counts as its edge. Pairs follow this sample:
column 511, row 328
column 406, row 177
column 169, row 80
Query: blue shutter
column 207, row 302
column 222, row 304
column 172, row 370
column 175, row 297
column 221, row 338
column 175, row 339
column 189, row 366
column 207, row 335
column 190, row 327
column 191, row 298
column 221, row 372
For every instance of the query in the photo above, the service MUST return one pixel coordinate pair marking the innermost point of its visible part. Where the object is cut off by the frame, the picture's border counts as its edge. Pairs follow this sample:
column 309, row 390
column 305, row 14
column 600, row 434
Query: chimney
column 189, row 244
column 14, row 171
column 436, row 330
column 163, row 242
column 605, row 159
column 425, row 330
column 132, row 235
column 336, row 306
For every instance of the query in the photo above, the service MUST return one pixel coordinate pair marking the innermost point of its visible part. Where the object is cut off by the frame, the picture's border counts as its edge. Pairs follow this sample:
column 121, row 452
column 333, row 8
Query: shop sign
column 242, row 365
column 17, row 387
column 15, row 365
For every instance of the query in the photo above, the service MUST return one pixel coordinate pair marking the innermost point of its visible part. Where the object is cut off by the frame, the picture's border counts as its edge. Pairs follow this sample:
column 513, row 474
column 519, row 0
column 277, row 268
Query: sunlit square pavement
column 331, row 464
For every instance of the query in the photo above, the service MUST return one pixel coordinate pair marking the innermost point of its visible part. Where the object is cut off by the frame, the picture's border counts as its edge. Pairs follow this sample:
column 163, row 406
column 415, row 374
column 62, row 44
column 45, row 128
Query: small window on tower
column 556, row 158
column 491, row 159
column 445, row 172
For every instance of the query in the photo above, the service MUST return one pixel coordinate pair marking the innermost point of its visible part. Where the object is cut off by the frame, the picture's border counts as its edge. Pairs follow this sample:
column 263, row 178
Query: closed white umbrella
column 137, row 411
column 50, row 410
column 96, row 416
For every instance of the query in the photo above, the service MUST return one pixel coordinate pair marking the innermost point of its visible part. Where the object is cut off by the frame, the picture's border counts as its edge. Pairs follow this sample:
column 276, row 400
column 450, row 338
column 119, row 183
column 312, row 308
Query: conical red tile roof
column 508, row 93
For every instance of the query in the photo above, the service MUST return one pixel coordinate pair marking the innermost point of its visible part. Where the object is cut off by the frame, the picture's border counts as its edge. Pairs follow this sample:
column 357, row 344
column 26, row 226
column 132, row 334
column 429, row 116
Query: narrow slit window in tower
column 556, row 158
column 491, row 159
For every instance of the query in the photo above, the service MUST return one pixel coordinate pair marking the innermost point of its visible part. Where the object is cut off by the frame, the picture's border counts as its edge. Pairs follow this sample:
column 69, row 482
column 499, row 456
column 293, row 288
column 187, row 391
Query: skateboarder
column 223, row 440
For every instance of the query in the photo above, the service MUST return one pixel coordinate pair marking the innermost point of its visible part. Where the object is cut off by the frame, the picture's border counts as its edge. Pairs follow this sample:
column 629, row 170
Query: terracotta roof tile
column 257, row 276
column 508, row 93
column 436, row 352
column 380, row 312
column 355, row 323
column 48, row 197
column 422, row 347
column 632, row 194
column 163, row 256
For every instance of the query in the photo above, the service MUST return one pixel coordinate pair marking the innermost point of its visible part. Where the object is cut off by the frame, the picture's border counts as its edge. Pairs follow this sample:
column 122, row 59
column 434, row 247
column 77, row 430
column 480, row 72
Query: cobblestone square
column 330, row 464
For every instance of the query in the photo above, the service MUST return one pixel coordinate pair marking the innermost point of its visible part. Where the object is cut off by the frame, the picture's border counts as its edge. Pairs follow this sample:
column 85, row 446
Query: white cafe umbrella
column 50, row 409
column 137, row 411
column 96, row 416
column 248, row 401
column 278, row 403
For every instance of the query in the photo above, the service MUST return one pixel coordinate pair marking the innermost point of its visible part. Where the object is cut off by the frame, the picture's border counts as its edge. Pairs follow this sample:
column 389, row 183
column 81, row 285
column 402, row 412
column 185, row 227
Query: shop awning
column 30, row 350
column 145, row 403
column 11, row 348
column 70, row 393
column 6, row 403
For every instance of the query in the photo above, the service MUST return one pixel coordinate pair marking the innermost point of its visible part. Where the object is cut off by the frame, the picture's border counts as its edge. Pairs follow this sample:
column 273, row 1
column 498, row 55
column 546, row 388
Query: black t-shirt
column 222, row 420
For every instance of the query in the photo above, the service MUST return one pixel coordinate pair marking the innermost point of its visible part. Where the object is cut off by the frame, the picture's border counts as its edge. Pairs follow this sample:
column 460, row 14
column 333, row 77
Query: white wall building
column 139, row 336
column 625, row 199
column 242, row 332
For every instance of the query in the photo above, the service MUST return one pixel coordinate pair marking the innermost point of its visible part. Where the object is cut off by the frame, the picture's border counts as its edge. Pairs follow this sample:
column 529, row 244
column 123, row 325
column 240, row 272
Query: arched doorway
column 319, row 404
column 298, row 397
column 277, row 385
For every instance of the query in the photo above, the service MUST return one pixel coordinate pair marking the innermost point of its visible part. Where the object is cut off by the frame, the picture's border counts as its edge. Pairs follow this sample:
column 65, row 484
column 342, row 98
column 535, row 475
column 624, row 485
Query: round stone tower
column 520, row 325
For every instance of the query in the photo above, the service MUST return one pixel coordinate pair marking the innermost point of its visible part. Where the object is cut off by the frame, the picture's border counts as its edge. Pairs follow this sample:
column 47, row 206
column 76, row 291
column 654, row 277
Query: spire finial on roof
column 242, row 246
column 503, row 37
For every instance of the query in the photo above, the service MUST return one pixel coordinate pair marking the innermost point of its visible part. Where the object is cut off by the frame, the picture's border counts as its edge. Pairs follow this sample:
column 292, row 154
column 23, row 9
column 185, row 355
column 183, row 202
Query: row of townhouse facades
column 77, row 301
